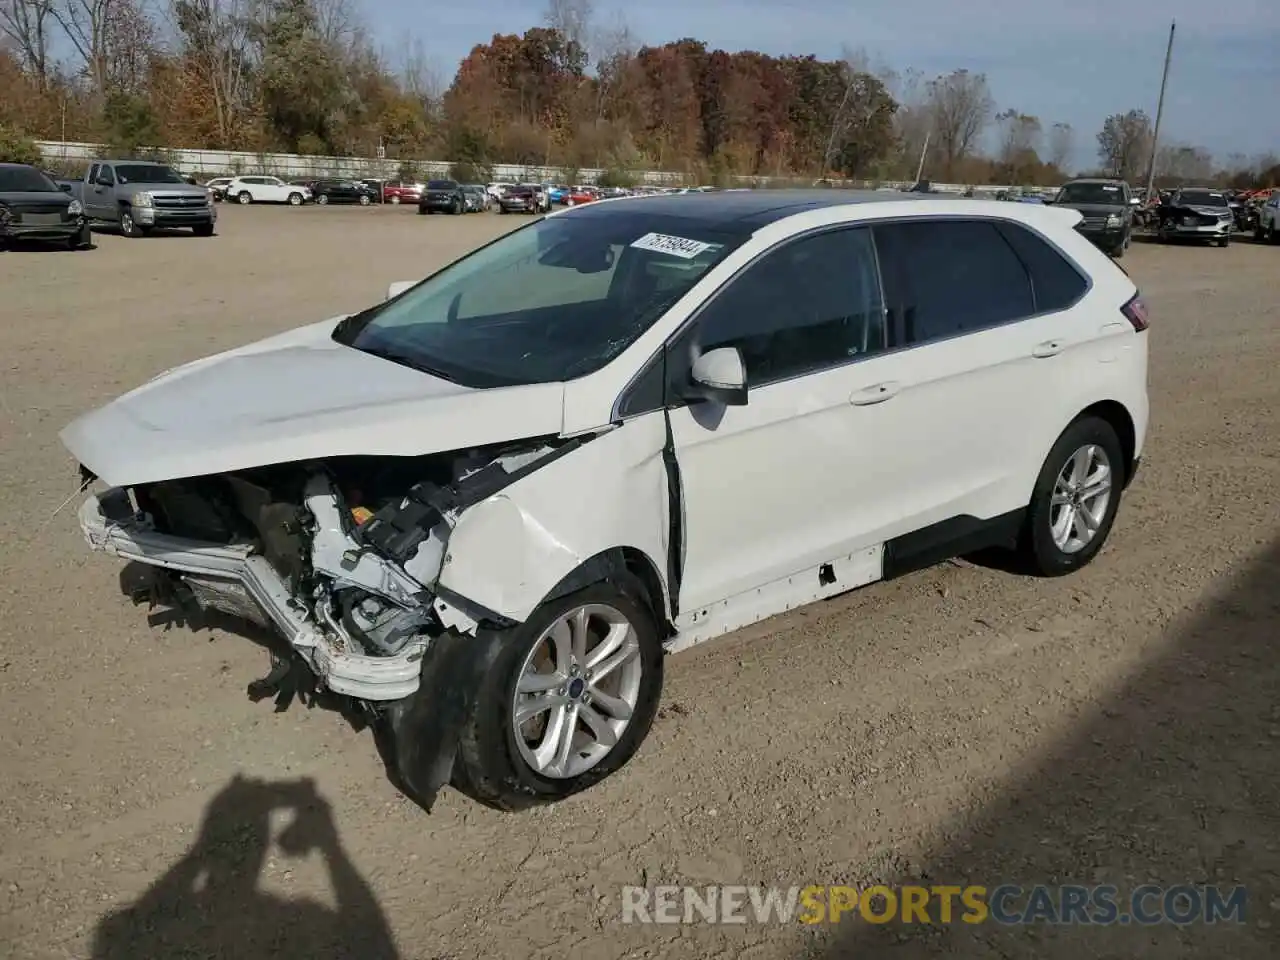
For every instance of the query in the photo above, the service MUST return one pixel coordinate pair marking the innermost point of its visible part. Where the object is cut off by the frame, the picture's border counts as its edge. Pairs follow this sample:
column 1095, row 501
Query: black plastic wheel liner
column 418, row 736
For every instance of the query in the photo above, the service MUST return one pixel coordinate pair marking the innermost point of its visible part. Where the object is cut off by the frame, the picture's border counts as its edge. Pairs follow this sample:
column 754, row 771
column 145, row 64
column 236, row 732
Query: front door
column 100, row 200
column 795, row 477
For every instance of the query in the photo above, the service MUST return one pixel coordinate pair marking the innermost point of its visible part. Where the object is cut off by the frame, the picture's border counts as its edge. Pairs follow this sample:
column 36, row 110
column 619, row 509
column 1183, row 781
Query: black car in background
column 443, row 196
column 1107, row 206
column 342, row 191
column 33, row 207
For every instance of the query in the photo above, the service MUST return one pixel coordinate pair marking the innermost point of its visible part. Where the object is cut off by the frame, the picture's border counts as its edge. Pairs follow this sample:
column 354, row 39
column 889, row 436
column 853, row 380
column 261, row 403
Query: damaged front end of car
column 343, row 558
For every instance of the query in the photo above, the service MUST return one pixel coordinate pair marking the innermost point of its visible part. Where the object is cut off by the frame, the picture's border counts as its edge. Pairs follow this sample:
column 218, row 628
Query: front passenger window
column 809, row 305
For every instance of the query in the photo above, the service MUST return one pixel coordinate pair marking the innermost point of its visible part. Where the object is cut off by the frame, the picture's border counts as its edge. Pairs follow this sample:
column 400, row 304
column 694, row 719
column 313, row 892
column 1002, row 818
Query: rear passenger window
column 1055, row 283
column 951, row 277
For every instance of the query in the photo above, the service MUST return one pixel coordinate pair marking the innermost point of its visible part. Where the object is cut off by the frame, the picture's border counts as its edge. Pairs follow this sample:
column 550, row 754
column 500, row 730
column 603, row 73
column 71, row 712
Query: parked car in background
column 342, row 191
column 476, row 196
column 519, row 200
column 139, row 195
column 217, row 187
column 577, row 196
column 487, row 508
column 34, row 207
column 402, row 191
column 1107, row 207
column 377, row 187
column 246, row 190
column 497, row 189
column 1196, row 213
column 443, row 196
column 542, row 199
column 1268, row 226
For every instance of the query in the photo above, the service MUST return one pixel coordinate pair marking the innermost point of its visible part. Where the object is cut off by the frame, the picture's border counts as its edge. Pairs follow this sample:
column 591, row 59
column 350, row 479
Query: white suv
column 266, row 190
column 486, row 508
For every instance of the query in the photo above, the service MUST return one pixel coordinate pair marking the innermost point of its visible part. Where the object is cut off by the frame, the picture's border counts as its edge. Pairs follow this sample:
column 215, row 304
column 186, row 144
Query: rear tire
column 244, row 197
column 494, row 755
column 395, row 200
column 1067, row 520
column 364, row 200
column 323, row 199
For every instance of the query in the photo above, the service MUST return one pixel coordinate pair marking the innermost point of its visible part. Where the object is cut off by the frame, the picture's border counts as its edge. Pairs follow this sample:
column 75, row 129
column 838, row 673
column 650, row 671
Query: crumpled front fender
column 507, row 553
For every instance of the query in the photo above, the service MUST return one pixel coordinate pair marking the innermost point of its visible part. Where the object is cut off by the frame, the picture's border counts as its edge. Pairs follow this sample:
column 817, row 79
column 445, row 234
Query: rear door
column 989, row 314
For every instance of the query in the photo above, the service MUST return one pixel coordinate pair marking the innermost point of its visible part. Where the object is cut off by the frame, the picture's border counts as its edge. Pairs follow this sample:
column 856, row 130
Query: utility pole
column 923, row 153
column 1155, row 134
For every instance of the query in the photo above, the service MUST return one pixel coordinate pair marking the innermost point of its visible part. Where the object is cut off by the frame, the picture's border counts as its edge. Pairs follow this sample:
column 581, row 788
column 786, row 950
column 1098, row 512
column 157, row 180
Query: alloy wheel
column 1080, row 499
column 576, row 691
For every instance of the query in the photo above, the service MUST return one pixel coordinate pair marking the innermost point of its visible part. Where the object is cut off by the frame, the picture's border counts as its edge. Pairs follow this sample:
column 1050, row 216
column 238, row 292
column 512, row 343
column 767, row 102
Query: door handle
column 875, row 394
column 1049, row 348
column 1109, row 328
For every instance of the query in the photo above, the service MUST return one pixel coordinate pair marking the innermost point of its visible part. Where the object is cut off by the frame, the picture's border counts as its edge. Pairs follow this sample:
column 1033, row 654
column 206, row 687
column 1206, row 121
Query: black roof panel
column 743, row 209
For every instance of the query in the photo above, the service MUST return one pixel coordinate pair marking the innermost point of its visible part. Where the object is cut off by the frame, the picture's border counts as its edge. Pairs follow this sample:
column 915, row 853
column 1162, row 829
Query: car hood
column 22, row 197
column 1095, row 209
column 1203, row 211
column 297, row 396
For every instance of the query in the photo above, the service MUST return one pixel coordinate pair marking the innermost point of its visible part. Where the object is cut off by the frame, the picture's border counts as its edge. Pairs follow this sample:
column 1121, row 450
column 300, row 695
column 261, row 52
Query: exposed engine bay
column 342, row 556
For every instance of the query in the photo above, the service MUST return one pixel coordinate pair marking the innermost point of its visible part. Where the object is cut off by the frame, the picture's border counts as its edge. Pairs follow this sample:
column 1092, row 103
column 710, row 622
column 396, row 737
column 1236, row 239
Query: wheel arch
column 1117, row 415
column 615, row 562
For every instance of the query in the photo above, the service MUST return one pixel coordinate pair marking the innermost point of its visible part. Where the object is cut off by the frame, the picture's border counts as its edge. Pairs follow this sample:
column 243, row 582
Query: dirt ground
column 962, row 725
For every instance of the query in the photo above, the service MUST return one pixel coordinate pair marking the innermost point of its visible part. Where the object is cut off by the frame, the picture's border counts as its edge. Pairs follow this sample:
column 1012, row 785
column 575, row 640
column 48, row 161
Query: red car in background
column 578, row 196
column 397, row 191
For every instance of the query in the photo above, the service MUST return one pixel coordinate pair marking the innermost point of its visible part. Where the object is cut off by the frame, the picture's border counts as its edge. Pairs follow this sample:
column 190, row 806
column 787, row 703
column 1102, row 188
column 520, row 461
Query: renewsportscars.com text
column 1009, row 904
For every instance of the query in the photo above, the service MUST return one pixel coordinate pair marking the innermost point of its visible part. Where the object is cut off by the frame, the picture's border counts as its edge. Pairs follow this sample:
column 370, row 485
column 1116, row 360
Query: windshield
column 1202, row 198
column 1099, row 193
column 147, row 173
column 552, row 301
column 25, row 180
column 441, row 185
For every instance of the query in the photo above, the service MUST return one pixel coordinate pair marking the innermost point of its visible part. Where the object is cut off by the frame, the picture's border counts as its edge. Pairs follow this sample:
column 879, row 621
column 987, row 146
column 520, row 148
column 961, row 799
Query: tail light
column 1135, row 311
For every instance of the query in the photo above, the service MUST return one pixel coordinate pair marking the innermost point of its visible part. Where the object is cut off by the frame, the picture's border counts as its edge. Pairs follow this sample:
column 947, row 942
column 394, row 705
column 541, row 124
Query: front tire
column 203, row 230
column 568, row 700
column 128, row 227
column 295, row 199
column 1075, row 499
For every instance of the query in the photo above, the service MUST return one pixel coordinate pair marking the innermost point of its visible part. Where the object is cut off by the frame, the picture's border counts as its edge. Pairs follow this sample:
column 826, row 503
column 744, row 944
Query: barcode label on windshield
column 673, row 246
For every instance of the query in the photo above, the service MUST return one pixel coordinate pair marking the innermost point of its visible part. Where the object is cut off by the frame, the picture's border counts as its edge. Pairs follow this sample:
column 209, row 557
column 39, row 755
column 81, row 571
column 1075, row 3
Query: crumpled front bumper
column 342, row 671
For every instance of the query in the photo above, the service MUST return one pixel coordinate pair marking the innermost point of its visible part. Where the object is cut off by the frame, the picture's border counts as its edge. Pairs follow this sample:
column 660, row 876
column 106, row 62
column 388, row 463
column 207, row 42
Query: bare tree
column 1019, row 136
column 27, row 23
column 215, row 35
column 960, row 107
column 1061, row 140
column 1184, row 164
column 612, row 47
column 1124, row 143
column 573, row 19
column 110, row 37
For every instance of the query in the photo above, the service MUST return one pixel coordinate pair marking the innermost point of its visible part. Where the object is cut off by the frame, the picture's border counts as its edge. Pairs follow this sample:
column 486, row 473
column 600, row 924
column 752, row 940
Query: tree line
column 305, row 76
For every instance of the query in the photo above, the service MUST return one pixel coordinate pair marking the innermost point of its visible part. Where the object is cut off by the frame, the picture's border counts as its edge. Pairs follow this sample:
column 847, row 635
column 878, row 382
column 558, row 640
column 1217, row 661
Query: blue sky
column 1074, row 62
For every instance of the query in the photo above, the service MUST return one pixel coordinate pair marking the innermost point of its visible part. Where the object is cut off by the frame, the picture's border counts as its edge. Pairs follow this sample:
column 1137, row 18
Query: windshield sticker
column 673, row 246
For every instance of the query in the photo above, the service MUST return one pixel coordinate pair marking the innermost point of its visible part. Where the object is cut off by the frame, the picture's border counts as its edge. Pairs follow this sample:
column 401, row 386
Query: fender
column 509, row 552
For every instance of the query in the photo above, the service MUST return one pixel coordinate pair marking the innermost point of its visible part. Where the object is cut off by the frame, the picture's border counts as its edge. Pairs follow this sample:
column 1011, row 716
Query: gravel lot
column 962, row 725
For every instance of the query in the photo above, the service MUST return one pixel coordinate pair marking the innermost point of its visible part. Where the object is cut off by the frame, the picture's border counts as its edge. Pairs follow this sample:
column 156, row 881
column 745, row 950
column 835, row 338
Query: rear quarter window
column 1056, row 283
column 946, row 278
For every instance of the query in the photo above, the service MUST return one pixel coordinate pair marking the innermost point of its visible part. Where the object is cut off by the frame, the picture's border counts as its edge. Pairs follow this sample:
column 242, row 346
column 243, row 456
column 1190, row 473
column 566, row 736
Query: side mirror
column 104, row 182
column 64, row 187
column 399, row 287
column 720, row 375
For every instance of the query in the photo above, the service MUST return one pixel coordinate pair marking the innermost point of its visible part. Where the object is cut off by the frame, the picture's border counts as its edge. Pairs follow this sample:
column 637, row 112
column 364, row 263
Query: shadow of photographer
column 209, row 903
